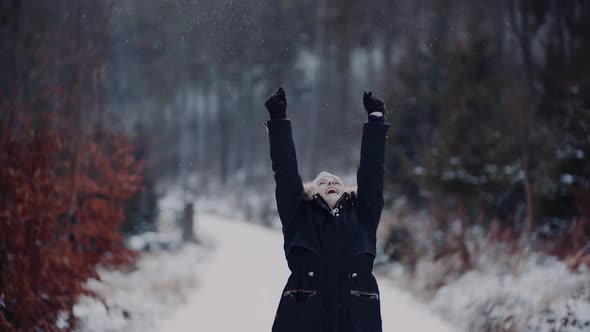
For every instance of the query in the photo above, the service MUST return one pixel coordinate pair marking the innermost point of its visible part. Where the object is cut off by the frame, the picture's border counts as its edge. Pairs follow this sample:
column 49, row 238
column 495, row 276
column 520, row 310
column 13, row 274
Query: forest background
column 105, row 104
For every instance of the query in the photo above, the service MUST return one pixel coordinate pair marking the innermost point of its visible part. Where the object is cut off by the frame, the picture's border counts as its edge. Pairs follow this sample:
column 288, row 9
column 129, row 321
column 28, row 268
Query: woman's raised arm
column 371, row 169
column 289, row 188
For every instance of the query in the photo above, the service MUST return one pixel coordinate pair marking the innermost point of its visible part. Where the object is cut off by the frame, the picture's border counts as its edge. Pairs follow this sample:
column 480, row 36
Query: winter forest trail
column 236, row 292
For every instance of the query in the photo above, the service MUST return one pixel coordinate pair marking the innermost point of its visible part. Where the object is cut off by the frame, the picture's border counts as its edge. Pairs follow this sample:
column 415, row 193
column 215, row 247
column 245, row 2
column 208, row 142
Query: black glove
column 373, row 104
column 277, row 105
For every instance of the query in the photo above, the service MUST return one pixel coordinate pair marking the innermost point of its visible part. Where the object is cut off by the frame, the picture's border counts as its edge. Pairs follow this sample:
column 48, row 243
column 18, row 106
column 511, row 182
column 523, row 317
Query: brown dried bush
column 62, row 194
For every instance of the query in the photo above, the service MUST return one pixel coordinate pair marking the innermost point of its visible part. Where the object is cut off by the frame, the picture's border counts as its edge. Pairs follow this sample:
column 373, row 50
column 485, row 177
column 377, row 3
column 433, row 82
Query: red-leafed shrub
column 62, row 194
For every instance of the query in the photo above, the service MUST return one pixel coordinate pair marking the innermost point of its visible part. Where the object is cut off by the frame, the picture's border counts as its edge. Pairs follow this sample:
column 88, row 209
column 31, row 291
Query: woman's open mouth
column 331, row 191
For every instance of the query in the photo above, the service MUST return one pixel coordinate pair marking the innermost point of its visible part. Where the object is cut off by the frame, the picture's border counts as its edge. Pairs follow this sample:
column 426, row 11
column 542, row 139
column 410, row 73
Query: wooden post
column 187, row 223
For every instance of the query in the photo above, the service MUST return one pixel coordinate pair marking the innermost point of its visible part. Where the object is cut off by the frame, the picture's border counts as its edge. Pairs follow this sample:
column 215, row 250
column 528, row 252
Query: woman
column 329, row 233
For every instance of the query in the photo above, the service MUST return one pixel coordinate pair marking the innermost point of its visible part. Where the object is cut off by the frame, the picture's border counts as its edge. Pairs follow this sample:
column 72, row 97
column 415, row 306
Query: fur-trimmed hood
column 309, row 189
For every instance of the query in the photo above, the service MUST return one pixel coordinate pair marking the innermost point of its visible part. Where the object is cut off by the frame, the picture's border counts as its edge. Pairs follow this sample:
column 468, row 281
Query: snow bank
column 503, row 287
column 543, row 295
column 139, row 298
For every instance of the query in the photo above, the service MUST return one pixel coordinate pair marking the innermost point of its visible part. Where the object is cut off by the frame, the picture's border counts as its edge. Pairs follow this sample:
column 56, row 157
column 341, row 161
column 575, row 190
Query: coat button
column 310, row 274
column 354, row 275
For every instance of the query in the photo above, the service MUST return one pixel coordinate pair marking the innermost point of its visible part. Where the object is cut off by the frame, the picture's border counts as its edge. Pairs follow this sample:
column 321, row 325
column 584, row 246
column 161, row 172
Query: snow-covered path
column 240, row 284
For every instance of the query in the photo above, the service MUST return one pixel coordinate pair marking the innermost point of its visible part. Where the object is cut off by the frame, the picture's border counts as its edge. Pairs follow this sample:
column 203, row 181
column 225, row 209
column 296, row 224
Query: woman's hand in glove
column 277, row 105
column 373, row 104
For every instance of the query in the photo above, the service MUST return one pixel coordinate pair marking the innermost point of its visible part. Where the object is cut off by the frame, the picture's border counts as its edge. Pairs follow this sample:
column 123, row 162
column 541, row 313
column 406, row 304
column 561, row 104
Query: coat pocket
column 363, row 304
column 300, row 295
column 365, row 295
column 299, row 310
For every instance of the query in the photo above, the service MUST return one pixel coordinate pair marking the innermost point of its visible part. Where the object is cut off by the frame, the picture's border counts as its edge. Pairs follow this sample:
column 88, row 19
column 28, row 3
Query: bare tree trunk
column 17, row 76
column 319, row 79
column 462, row 246
column 76, row 109
column 99, row 100
column 526, row 103
column 528, row 190
column 224, row 148
column 523, row 34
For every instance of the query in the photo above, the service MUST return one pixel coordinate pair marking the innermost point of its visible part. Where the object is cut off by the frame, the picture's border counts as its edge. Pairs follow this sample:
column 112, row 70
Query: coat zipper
column 334, row 213
column 335, row 210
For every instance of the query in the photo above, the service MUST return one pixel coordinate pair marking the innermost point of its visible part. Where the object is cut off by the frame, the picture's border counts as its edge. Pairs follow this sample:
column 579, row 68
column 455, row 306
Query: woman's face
column 330, row 188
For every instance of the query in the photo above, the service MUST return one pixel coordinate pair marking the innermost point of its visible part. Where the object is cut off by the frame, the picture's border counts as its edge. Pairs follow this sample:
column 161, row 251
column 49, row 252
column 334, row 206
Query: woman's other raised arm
column 372, row 169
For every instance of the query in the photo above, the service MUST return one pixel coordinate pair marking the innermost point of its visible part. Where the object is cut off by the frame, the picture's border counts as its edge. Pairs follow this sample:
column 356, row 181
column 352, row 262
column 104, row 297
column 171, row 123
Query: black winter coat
column 330, row 252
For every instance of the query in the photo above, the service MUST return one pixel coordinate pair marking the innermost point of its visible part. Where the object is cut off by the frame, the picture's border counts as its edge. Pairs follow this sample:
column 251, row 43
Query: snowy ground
column 136, row 300
column 215, row 286
column 239, row 286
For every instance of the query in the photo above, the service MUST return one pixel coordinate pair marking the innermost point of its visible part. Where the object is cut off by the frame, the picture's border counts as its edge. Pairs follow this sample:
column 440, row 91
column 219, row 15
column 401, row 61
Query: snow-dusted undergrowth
column 543, row 295
column 502, row 287
column 531, row 292
column 138, row 299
